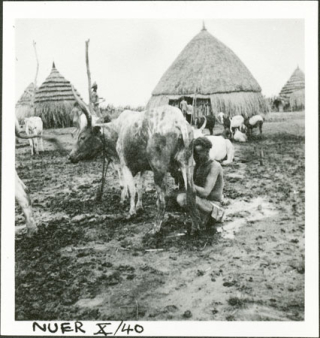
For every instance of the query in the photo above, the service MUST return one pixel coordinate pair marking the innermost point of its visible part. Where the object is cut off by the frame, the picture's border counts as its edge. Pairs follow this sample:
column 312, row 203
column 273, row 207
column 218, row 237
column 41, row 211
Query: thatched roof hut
column 210, row 71
column 292, row 92
column 297, row 100
column 296, row 82
column 24, row 107
column 54, row 101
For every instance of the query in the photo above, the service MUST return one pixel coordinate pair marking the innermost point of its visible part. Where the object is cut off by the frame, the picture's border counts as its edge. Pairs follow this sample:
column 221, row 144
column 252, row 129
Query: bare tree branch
column 36, row 77
column 89, row 78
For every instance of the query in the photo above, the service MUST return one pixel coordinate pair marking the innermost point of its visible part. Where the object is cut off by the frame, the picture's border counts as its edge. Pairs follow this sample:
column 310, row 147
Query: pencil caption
column 102, row 329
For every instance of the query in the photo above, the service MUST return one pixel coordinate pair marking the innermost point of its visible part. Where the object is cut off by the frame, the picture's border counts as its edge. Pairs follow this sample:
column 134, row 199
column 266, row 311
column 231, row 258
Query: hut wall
column 297, row 100
column 242, row 103
column 55, row 114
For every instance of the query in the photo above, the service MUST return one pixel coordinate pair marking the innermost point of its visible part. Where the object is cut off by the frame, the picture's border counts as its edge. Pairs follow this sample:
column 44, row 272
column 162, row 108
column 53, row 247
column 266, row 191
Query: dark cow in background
column 255, row 121
column 209, row 121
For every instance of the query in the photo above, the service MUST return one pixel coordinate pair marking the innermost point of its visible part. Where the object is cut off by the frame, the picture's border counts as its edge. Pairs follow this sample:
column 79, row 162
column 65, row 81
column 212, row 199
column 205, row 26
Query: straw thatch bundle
column 295, row 83
column 54, row 101
column 24, row 107
column 209, row 70
column 296, row 100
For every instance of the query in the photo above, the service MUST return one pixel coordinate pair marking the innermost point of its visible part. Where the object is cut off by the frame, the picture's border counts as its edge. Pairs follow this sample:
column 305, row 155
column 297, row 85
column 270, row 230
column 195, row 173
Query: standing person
column 200, row 110
column 189, row 113
column 184, row 107
column 207, row 109
column 95, row 99
column 208, row 184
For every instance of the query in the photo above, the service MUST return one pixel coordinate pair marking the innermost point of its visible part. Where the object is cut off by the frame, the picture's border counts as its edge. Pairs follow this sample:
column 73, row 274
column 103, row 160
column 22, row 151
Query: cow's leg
column 159, row 180
column 31, row 141
column 41, row 143
column 183, row 170
column 129, row 182
column 140, row 189
column 36, row 145
column 31, row 145
column 123, row 186
column 23, row 200
column 260, row 127
column 230, row 153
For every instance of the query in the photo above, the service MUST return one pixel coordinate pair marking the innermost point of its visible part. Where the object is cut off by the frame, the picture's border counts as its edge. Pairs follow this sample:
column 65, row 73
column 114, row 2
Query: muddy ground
column 87, row 262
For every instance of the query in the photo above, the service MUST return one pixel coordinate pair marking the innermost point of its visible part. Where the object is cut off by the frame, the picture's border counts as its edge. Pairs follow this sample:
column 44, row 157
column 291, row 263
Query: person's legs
column 206, row 208
column 203, row 205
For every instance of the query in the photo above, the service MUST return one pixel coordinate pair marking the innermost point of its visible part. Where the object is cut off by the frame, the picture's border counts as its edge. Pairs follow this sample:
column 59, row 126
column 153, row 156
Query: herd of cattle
column 158, row 140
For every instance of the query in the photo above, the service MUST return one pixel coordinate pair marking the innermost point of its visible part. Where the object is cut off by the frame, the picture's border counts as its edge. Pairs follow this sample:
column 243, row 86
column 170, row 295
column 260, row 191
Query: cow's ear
column 96, row 130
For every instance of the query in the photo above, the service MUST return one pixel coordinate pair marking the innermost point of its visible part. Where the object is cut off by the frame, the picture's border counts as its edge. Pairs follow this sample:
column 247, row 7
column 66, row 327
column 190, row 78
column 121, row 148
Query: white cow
column 21, row 194
column 239, row 136
column 255, row 121
column 24, row 201
column 237, row 122
column 34, row 126
column 221, row 147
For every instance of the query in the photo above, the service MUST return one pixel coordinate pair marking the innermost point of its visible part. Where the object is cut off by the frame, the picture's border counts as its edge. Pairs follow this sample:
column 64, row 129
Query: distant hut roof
column 27, row 95
column 24, row 106
column 295, row 83
column 54, row 88
column 212, row 70
column 54, row 100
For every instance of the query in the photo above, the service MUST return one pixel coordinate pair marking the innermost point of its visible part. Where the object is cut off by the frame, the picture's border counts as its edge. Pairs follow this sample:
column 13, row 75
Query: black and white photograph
column 163, row 174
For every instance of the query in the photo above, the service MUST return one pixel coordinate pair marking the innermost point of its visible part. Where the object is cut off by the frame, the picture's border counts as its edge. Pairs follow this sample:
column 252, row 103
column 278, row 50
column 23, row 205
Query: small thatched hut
column 210, row 76
column 292, row 92
column 54, row 101
column 297, row 100
column 25, row 105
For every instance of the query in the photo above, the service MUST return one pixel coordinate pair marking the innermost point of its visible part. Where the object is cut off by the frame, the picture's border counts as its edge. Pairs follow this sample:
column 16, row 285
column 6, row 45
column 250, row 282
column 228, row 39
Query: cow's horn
column 83, row 106
column 204, row 123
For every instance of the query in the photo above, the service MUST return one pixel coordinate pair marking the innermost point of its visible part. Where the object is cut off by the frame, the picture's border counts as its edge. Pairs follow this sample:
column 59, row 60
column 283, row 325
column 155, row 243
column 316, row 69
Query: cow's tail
column 187, row 136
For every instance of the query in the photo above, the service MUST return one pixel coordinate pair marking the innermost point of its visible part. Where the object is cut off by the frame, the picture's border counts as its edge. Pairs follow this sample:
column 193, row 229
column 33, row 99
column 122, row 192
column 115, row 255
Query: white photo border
column 305, row 10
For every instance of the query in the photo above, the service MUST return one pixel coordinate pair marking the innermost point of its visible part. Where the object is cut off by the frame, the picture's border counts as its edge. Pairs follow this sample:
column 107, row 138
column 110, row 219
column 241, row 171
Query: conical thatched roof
column 212, row 70
column 24, row 107
column 27, row 96
column 295, row 83
column 54, row 101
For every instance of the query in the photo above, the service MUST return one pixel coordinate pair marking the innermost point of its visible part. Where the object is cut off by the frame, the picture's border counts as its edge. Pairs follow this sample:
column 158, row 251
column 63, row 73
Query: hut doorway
column 201, row 106
column 176, row 103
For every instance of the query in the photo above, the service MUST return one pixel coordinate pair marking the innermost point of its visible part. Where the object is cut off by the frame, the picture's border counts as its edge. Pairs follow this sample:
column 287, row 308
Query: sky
column 129, row 56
